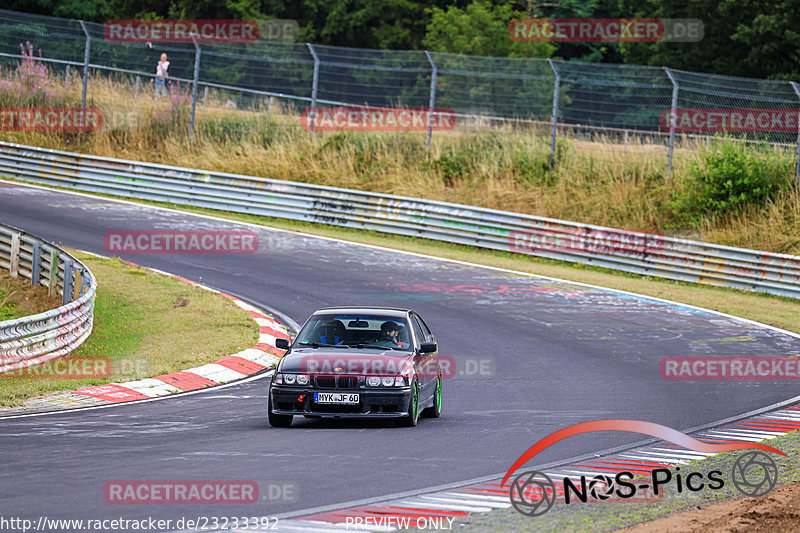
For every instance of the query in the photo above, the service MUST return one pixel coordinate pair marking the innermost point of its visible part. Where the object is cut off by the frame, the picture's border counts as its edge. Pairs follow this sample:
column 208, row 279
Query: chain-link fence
column 580, row 98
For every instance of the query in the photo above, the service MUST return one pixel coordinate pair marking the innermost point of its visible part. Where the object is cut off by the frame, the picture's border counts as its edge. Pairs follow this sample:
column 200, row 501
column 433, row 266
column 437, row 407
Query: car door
column 428, row 363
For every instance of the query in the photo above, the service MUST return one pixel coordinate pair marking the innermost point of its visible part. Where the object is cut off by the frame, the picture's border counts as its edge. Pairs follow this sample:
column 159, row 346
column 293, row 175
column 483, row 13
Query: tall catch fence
column 657, row 105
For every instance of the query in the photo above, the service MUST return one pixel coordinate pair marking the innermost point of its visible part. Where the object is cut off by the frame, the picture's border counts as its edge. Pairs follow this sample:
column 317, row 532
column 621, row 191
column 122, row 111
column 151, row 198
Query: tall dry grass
column 602, row 182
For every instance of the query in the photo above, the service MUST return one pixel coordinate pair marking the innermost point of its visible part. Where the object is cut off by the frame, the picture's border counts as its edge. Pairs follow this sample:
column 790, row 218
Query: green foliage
column 731, row 177
column 480, row 29
column 455, row 164
column 231, row 129
column 741, row 38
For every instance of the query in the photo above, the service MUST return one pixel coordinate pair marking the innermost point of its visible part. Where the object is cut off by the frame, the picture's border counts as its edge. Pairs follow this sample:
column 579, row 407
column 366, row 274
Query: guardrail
column 32, row 340
column 630, row 251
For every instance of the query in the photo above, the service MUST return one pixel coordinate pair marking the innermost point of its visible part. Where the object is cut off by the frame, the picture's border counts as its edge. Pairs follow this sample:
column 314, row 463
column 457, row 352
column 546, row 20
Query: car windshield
column 372, row 331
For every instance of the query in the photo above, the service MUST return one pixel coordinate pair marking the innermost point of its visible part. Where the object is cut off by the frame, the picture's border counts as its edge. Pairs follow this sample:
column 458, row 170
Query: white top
column 161, row 69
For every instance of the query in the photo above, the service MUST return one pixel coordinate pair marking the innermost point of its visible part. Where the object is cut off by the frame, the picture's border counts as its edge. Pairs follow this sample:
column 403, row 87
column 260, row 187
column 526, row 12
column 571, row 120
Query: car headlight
column 378, row 381
column 292, row 379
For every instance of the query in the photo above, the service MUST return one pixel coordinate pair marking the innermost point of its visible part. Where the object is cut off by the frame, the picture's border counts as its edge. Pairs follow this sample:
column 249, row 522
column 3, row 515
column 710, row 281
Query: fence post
column 53, row 279
column 673, row 117
column 314, row 87
column 432, row 99
column 66, row 294
column 195, row 79
column 86, row 51
column 138, row 84
column 36, row 264
column 205, row 95
column 66, row 79
column 13, row 261
column 556, row 93
column 797, row 153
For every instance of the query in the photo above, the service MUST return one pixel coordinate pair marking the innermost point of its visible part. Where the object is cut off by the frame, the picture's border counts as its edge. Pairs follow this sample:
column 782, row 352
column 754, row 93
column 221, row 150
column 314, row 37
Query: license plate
column 335, row 397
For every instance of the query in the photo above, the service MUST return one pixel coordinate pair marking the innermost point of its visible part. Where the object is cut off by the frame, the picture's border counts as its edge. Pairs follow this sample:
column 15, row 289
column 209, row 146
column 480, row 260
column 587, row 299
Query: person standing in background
column 162, row 73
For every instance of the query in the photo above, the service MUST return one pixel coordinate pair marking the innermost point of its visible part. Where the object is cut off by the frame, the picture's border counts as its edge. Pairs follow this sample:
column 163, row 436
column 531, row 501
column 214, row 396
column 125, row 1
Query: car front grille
column 346, row 382
column 336, row 382
column 326, row 382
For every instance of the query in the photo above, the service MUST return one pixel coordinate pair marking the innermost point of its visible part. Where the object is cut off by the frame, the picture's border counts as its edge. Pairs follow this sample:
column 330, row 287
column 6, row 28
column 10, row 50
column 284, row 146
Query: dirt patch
column 778, row 511
column 18, row 298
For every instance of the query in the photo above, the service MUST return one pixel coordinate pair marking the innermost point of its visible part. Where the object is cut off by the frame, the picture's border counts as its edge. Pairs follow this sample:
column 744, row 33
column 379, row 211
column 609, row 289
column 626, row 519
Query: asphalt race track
column 532, row 355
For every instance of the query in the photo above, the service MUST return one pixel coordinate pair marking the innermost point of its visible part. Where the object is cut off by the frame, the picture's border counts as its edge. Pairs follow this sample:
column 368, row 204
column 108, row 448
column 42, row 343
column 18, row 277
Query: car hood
column 344, row 362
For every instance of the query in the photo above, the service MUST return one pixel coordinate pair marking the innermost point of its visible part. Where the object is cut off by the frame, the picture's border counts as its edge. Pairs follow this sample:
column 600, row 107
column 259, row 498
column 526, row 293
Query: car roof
column 389, row 311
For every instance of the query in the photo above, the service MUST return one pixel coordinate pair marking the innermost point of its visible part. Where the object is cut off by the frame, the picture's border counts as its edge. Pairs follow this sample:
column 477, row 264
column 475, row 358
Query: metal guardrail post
column 673, row 117
column 432, row 98
column 36, row 265
column 52, row 285
column 556, row 94
column 797, row 152
column 314, row 87
column 195, row 79
column 86, row 52
column 13, row 261
column 66, row 294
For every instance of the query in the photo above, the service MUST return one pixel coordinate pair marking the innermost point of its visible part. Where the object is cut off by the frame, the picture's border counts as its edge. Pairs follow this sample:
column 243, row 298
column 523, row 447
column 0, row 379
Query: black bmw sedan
column 370, row 362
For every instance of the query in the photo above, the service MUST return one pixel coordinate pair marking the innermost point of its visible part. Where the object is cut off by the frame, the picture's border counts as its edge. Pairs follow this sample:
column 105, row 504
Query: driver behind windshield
column 388, row 338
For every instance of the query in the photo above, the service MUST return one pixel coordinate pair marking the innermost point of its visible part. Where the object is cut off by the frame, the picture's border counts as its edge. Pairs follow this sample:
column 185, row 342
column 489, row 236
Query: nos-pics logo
column 533, row 493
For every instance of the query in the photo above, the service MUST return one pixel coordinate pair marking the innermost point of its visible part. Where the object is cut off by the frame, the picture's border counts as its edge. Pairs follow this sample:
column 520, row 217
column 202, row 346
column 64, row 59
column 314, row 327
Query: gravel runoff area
column 706, row 510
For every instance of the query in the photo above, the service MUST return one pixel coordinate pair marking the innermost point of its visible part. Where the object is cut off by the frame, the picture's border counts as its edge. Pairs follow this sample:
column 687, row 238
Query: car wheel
column 277, row 421
column 435, row 410
column 411, row 418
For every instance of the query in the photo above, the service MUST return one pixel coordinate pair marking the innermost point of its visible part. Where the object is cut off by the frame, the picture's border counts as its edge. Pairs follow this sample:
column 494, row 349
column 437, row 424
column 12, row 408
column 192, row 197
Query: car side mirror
column 427, row 347
column 282, row 344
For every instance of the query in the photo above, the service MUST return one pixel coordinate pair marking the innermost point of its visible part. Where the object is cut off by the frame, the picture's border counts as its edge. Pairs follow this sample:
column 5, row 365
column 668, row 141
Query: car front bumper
column 373, row 403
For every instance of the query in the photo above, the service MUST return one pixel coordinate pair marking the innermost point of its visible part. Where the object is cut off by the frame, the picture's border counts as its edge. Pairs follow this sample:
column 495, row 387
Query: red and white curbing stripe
column 437, row 507
column 258, row 357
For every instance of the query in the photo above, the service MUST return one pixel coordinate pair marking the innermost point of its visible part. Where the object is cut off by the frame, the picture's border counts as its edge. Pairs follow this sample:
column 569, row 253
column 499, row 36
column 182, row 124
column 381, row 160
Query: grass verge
column 716, row 192
column 145, row 324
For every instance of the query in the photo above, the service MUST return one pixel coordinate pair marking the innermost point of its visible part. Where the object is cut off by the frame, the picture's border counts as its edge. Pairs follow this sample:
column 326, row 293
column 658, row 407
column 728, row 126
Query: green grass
column 144, row 329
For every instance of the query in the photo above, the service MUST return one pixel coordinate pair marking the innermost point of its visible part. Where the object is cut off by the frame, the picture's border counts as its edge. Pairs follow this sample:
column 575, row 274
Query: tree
column 742, row 38
column 480, row 29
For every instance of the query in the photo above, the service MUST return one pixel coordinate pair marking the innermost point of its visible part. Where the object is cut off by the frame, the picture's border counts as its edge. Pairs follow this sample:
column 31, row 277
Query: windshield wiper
column 322, row 345
column 374, row 346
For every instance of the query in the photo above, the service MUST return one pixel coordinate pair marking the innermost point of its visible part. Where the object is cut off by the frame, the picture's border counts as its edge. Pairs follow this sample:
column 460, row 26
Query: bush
column 730, row 177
